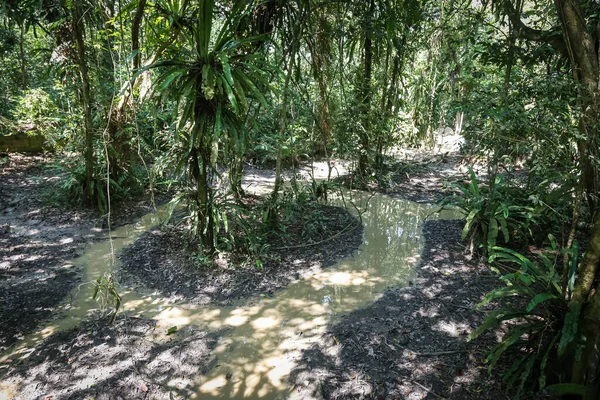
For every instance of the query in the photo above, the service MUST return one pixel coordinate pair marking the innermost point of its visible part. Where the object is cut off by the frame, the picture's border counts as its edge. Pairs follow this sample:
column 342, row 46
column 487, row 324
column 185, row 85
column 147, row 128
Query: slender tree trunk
column 199, row 160
column 363, row 159
column 584, row 60
column 78, row 29
column 135, row 34
column 282, row 129
column 22, row 58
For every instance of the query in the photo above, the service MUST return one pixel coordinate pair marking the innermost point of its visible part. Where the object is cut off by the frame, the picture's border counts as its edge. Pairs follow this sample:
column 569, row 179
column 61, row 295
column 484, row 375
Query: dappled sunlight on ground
column 254, row 346
column 411, row 343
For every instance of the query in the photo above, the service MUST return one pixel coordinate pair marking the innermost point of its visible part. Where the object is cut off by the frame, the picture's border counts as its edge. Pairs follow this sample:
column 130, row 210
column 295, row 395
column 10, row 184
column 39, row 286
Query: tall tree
column 210, row 76
column 78, row 21
column 579, row 23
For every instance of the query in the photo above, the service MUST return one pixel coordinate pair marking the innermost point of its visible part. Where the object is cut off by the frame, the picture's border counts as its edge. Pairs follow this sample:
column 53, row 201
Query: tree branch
column 555, row 40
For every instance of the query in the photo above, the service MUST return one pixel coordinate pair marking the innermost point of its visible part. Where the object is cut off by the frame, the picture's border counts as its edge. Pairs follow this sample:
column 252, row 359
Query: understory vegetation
column 176, row 96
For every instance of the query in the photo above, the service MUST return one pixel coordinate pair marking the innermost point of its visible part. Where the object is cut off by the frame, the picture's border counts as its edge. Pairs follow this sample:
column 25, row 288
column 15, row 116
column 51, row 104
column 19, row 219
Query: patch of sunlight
column 9, row 390
column 179, row 383
column 451, row 328
column 263, row 323
column 236, row 320
column 173, row 316
column 212, row 386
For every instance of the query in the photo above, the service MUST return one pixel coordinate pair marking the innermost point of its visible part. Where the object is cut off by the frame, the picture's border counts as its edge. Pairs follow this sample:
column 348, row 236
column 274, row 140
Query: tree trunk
column 135, row 34
column 199, row 160
column 22, row 58
column 584, row 61
column 282, row 129
column 78, row 29
column 363, row 159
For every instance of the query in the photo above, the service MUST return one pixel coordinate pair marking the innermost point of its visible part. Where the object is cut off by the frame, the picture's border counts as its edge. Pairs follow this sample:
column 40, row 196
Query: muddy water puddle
column 264, row 337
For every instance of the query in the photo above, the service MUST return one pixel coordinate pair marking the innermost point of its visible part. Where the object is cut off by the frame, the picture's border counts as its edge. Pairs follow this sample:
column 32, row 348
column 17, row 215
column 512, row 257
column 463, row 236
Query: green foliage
column 494, row 210
column 106, row 294
column 533, row 308
column 212, row 76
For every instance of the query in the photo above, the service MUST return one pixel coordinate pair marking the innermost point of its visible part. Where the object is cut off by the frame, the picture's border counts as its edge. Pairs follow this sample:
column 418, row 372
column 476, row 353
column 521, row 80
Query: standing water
column 266, row 336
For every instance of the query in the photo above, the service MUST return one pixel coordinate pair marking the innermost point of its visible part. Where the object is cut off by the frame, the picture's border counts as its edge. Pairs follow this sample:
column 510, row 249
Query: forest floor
column 409, row 344
column 38, row 239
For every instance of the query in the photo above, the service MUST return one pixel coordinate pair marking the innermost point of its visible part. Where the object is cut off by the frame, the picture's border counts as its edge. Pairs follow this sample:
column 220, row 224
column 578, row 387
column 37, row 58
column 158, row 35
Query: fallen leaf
column 143, row 387
column 171, row 330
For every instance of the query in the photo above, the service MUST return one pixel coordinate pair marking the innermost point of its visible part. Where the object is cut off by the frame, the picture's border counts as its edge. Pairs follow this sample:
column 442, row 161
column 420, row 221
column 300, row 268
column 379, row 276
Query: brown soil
column 422, row 180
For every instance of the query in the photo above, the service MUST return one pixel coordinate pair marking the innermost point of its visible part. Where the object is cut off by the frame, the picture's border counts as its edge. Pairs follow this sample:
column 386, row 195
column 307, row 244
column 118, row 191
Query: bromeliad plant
column 211, row 74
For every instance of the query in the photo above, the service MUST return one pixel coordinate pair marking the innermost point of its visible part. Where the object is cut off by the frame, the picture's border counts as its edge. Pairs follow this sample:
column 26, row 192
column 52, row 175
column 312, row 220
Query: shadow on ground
column 132, row 359
column 411, row 343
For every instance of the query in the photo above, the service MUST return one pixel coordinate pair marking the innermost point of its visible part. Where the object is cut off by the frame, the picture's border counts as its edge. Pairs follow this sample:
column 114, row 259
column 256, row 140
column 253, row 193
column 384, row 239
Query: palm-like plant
column 211, row 76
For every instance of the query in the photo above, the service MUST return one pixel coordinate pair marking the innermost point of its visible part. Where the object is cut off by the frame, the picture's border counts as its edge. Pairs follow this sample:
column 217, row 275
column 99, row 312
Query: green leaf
column 166, row 82
column 240, row 75
column 492, row 232
column 171, row 330
column 562, row 389
column 226, row 69
column 538, row 299
column 509, row 340
column 504, row 229
column 542, row 378
column 474, row 184
column 241, row 95
column 468, row 224
column 526, row 371
column 493, row 319
column 230, row 96
column 97, row 288
column 503, row 292
column 570, row 328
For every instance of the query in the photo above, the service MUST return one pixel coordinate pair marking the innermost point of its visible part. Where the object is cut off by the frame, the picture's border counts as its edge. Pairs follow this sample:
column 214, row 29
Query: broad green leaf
column 230, row 96
column 171, row 330
column 241, row 95
column 492, row 232
column 563, row 389
column 570, row 328
column 503, row 292
column 474, row 183
column 240, row 75
column 538, row 299
column 470, row 219
column 226, row 69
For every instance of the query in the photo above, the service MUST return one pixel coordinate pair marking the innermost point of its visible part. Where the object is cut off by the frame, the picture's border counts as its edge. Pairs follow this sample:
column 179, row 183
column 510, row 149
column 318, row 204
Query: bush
column 535, row 310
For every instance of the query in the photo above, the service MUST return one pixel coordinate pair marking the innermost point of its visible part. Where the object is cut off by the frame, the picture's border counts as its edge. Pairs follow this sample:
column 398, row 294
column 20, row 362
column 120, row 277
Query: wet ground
column 411, row 342
column 38, row 240
column 160, row 260
column 350, row 338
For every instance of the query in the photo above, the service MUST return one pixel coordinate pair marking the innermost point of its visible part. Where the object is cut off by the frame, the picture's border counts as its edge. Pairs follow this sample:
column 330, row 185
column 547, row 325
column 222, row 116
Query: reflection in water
column 268, row 334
